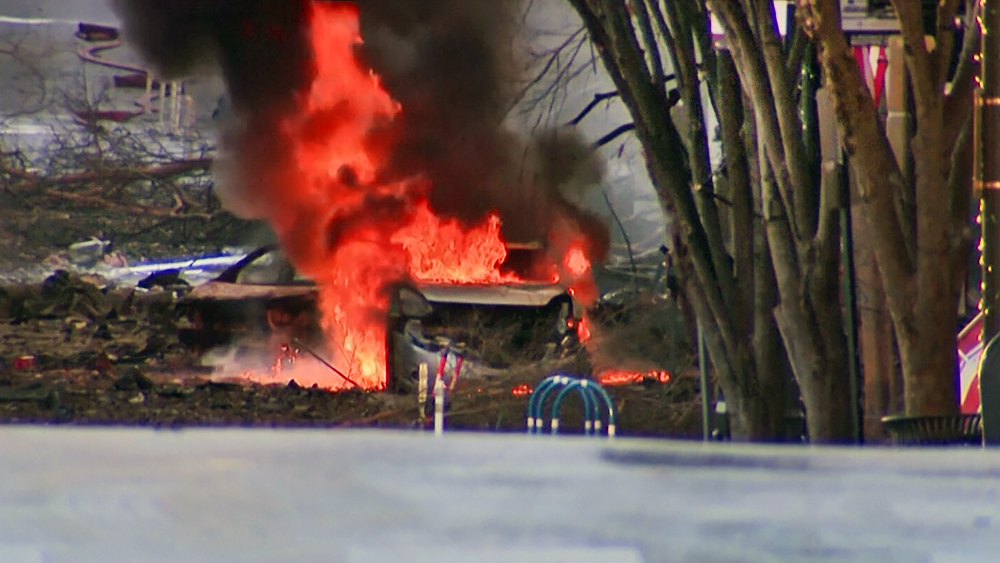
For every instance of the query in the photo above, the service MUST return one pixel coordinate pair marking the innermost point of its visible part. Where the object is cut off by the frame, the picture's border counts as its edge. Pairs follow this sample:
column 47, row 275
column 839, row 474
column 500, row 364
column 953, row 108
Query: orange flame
column 576, row 262
column 626, row 377
column 521, row 390
column 347, row 228
column 440, row 251
column 583, row 330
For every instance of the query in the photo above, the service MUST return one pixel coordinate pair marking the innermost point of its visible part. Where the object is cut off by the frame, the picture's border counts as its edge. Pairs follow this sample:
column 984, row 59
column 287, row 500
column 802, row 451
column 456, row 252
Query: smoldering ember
column 308, row 213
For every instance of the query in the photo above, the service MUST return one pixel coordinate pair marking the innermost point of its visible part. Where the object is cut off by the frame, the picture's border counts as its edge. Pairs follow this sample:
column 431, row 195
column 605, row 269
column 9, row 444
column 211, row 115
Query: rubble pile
column 78, row 349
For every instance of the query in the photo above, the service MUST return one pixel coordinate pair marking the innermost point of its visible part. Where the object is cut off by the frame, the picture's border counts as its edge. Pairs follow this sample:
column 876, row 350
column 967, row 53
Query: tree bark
column 701, row 260
column 922, row 290
column 773, row 295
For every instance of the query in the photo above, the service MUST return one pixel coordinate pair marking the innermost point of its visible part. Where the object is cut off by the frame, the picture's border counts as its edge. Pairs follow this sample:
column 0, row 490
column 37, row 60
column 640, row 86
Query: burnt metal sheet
column 237, row 291
column 523, row 295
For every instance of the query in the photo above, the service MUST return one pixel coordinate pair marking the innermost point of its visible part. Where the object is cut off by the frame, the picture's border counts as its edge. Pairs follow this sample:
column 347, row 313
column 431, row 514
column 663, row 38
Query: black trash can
column 958, row 430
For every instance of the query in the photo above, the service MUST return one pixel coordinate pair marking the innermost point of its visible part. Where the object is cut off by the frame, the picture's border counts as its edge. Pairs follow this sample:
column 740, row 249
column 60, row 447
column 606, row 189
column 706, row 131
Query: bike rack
column 591, row 393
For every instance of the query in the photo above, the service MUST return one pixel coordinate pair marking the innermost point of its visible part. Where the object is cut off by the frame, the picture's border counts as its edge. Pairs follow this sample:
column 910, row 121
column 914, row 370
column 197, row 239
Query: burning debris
column 75, row 349
column 370, row 135
column 260, row 305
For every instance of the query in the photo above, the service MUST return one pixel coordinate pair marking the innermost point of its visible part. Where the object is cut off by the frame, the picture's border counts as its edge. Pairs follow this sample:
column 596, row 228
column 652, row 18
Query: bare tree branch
column 621, row 229
column 613, row 134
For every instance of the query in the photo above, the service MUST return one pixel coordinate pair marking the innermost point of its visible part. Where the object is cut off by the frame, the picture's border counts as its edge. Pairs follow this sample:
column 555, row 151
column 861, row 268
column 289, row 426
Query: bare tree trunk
column 698, row 253
column 876, row 332
column 921, row 288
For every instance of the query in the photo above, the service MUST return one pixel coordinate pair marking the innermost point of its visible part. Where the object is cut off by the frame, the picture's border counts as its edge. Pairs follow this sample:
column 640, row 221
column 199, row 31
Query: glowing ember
column 521, row 390
column 626, row 377
column 662, row 376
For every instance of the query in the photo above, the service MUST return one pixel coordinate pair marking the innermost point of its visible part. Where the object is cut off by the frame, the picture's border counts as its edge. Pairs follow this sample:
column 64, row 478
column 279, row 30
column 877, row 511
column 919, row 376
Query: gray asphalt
column 115, row 495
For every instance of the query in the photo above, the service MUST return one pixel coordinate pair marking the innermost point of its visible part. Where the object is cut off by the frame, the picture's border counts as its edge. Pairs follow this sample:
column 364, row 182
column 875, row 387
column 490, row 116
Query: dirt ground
column 76, row 350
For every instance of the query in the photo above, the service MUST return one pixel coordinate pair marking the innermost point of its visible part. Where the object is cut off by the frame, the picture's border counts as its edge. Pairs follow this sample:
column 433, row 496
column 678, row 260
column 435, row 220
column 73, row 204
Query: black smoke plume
column 260, row 46
column 450, row 65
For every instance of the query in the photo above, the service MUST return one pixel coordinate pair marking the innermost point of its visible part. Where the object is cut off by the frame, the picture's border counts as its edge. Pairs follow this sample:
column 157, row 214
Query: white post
column 175, row 102
column 86, row 87
column 163, row 102
column 422, row 387
column 147, row 100
column 439, row 407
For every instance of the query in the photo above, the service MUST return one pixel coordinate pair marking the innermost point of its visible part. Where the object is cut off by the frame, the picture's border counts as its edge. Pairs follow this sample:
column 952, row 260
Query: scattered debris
column 95, row 32
column 108, row 354
column 132, row 380
column 87, row 253
column 164, row 279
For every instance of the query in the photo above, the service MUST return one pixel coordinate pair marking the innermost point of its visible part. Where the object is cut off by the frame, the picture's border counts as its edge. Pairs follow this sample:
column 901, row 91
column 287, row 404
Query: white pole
column 163, row 102
column 175, row 99
column 86, row 86
column 147, row 100
column 422, row 388
column 439, row 407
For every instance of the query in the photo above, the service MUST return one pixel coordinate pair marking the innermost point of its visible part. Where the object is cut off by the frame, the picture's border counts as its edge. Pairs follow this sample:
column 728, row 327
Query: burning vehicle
column 371, row 135
column 263, row 304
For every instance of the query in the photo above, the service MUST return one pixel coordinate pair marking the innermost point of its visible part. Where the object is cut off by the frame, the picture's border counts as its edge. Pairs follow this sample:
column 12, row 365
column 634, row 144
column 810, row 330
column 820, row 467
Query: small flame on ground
column 626, row 377
column 522, row 390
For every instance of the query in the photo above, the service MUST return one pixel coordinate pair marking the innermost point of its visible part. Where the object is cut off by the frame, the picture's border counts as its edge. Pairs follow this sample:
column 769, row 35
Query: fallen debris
column 111, row 355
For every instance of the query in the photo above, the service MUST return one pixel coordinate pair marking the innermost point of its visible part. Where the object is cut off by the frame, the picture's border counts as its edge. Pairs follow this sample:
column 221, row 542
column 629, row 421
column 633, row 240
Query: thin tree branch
column 790, row 125
column 958, row 103
column 699, row 156
column 946, row 11
column 752, row 72
column 613, row 134
column 621, row 228
column 652, row 45
column 598, row 98
column 602, row 96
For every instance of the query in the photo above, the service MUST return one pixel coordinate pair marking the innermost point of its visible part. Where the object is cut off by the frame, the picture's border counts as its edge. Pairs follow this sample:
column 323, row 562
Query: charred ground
column 103, row 354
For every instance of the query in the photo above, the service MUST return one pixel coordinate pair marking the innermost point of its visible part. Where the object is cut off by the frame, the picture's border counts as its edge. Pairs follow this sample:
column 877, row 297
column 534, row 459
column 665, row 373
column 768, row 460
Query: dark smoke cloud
column 260, row 45
column 449, row 63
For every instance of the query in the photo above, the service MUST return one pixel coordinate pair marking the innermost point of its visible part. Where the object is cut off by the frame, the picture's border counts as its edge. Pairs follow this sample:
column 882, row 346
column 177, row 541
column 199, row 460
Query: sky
column 95, row 11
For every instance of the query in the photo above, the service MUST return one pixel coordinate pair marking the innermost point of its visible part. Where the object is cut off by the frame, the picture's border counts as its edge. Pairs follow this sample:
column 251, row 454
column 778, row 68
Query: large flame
column 345, row 226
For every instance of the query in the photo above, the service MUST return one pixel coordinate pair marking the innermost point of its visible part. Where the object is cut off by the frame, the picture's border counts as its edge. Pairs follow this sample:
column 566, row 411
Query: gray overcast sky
column 96, row 11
